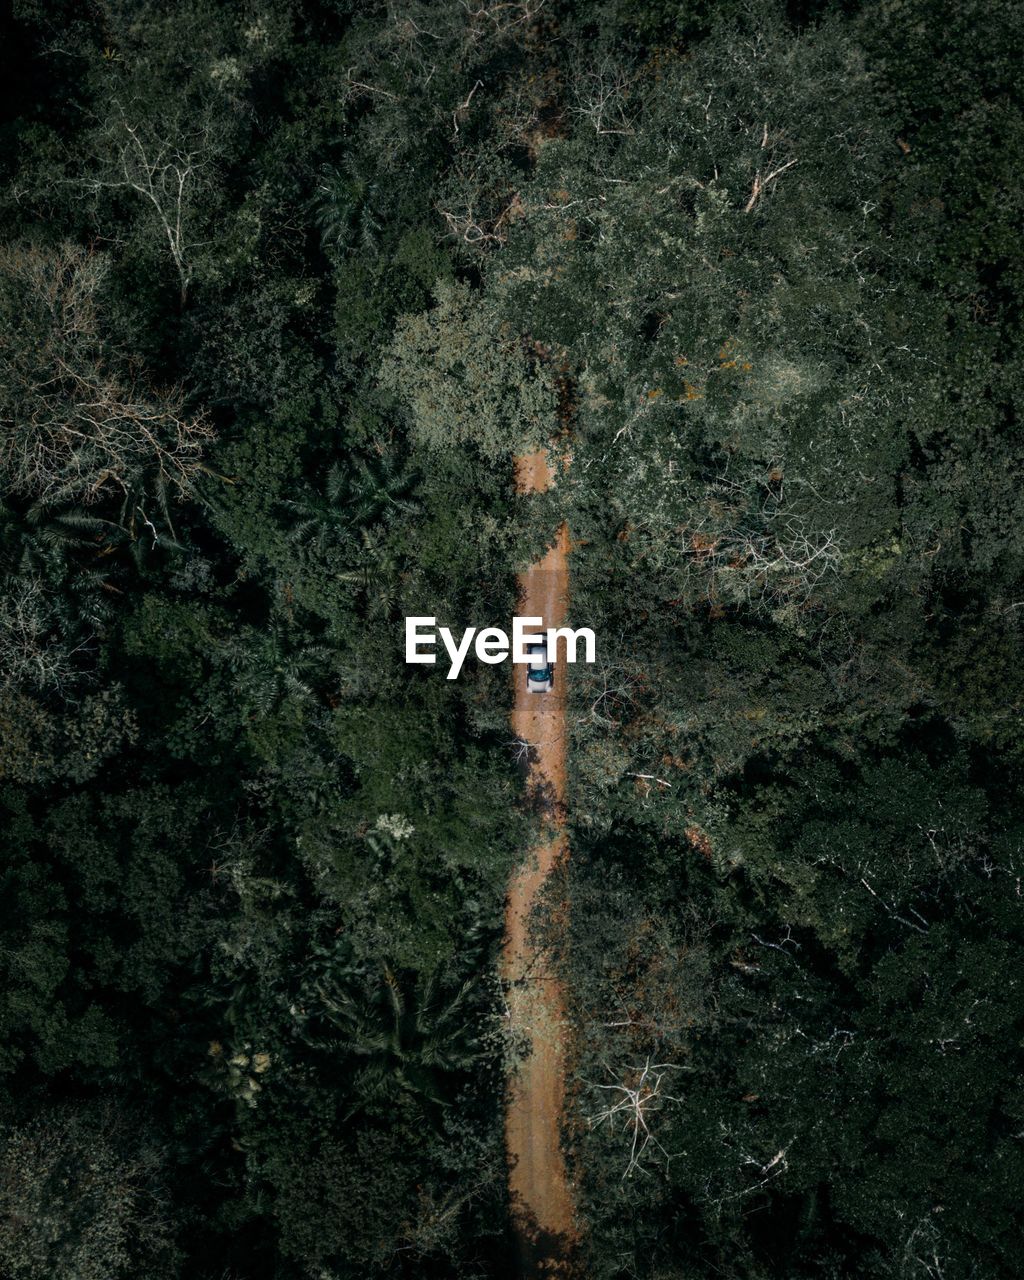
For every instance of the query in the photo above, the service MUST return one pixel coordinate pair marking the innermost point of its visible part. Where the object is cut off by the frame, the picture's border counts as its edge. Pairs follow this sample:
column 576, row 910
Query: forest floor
column 541, row 1190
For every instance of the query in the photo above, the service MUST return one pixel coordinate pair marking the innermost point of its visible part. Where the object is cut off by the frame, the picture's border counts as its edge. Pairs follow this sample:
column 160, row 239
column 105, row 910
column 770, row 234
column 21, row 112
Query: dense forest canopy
column 283, row 288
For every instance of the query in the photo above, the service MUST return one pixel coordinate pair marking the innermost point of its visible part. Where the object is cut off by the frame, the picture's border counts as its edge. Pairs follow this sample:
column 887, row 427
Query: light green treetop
column 464, row 378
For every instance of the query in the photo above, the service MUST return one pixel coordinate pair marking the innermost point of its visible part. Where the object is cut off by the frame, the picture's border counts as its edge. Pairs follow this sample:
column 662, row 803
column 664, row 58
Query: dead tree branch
column 761, row 183
column 638, row 1098
column 77, row 419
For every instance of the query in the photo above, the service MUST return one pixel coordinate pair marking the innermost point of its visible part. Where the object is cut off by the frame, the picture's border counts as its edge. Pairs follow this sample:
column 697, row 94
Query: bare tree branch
column 761, row 183
column 73, row 419
column 639, row 1097
column 164, row 174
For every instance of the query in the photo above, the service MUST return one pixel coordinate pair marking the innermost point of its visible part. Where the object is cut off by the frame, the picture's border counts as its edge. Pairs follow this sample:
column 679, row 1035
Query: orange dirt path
column 541, row 1192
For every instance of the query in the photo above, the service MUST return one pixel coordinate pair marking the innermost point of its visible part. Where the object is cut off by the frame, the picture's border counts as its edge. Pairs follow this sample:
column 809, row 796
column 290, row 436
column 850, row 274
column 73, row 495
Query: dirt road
column 542, row 1200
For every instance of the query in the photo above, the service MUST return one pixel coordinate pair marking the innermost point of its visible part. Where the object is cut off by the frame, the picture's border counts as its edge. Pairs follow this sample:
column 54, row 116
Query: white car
column 540, row 674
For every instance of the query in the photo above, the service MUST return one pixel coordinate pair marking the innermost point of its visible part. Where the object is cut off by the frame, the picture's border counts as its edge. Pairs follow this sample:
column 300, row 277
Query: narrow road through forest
column 541, row 1193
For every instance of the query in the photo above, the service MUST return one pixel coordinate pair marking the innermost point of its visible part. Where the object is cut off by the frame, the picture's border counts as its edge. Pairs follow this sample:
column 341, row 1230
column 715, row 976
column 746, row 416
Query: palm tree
column 376, row 578
column 408, row 1037
column 380, row 488
column 349, row 206
column 56, row 531
column 71, row 550
column 322, row 519
column 368, row 491
column 48, row 535
column 269, row 668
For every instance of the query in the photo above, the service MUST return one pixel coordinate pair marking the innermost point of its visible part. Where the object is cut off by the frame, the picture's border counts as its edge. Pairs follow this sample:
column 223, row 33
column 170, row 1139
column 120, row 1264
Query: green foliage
column 466, row 381
column 282, row 289
column 80, row 1195
column 405, row 1040
column 349, row 209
